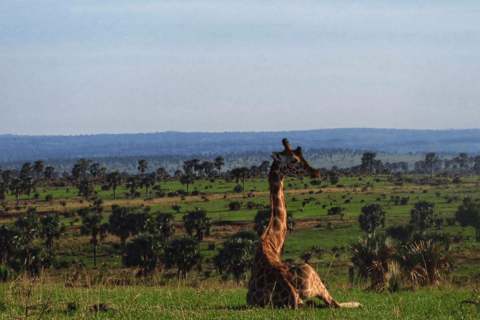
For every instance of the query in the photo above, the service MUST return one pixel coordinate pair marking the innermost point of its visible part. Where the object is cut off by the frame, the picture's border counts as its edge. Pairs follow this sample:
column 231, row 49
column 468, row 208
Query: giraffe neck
column 274, row 235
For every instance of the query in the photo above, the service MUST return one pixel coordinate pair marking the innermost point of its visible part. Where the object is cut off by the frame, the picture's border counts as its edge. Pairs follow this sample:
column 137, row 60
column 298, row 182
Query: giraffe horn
column 286, row 144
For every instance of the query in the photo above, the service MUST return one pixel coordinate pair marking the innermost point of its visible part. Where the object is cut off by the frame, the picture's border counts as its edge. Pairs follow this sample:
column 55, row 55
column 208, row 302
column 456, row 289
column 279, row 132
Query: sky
column 72, row 67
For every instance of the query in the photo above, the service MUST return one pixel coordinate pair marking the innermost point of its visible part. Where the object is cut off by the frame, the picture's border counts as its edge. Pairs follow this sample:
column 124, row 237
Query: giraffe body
column 273, row 282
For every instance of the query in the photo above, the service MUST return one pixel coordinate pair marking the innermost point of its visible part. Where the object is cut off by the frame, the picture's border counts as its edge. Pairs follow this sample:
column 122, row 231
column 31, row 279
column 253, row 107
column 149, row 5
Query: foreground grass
column 214, row 300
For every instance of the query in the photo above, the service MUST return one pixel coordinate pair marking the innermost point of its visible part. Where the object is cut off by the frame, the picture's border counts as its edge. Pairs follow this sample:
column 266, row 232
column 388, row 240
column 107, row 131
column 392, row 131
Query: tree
column 188, row 166
column 142, row 165
column 144, row 251
column 207, row 167
column 476, row 165
column 86, row 187
column 183, row 253
column 264, row 166
column 132, row 184
column 368, row 160
column 28, row 225
column 9, row 240
column 219, row 162
column 27, row 185
column 123, row 223
column 240, row 173
column 161, row 223
column 423, row 214
column 91, row 225
column 147, row 182
column 82, row 166
column 432, row 162
column 51, row 229
column 372, row 217
column 462, row 160
column 196, row 221
column 187, row 179
column 162, row 173
column 49, row 170
column 38, row 168
column 94, row 169
column 7, row 176
column 114, row 179
column 16, row 187
column 262, row 219
column 468, row 214
column 236, row 255
column 25, row 171
column 3, row 191
column 76, row 171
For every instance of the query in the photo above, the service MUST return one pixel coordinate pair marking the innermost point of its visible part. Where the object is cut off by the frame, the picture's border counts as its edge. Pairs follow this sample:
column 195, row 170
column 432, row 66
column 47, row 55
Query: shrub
column 144, row 251
column 235, row 205
column 238, row 188
column 335, row 210
column 183, row 253
column 48, row 197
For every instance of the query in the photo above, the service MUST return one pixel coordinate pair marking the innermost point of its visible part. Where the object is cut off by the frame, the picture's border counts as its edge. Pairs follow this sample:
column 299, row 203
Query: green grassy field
column 164, row 297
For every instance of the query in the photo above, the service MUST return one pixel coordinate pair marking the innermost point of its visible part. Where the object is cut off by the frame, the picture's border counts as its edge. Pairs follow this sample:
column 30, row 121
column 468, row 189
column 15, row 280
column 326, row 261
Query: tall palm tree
column 3, row 190
column 114, row 179
column 49, row 172
column 161, row 172
column 83, row 165
column 142, row 165
column 91, row 225
column 219, row 162
column 38, row 168
column 16, row 188
column 94, row 169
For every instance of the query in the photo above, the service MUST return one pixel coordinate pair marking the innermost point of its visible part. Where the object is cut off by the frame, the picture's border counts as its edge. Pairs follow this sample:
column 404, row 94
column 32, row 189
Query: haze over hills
column 14, row 147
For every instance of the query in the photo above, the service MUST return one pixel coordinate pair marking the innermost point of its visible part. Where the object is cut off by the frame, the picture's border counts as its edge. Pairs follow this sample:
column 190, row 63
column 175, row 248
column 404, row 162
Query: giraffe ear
column 275, row 156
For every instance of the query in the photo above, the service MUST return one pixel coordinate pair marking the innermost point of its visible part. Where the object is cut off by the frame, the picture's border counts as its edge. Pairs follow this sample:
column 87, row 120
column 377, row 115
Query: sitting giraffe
column 273, row 282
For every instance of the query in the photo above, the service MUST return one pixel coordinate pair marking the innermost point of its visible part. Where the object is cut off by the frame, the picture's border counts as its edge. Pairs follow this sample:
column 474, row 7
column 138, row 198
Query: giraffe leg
column 309, row 285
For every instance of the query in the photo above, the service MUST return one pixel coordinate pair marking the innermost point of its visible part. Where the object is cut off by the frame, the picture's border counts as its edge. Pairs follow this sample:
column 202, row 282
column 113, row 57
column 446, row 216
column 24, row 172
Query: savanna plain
column 78, row 284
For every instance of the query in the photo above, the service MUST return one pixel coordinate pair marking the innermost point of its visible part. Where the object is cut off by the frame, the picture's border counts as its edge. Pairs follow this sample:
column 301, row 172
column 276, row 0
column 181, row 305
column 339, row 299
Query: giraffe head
column 292, row 162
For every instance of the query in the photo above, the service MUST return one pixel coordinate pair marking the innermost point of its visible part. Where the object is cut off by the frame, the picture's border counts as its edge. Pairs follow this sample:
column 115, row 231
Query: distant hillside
column 30, row 148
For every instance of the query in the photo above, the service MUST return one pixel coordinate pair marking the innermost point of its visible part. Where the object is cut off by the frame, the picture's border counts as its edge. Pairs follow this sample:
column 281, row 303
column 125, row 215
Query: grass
column 164, row 297
column 208, row 300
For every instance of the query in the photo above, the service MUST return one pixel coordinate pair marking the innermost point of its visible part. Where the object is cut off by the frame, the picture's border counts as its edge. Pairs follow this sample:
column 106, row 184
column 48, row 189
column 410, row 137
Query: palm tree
column 183, row 253
column 142, row 165
column 132, row 183
column 94, row 169
column 114, row 179
column 25, row 171
column 49, row 172
column 219, row 162
column 3, row 191
column 86, row 187
column 187, row 179
column 161, row 172
column 7, row 176
column 91, row 225
column 27, row 185
column 207, row 167
column 83, row 165
column 16, row 187
column 147, row 182
column 197, row 221
column 29, row 225
column 38, row 168
column 124, row 223
column 50, row 229
column 372, row 217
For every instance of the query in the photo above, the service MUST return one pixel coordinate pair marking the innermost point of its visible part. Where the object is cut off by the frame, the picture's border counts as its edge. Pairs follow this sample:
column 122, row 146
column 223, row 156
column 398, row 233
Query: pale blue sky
column 72, row 67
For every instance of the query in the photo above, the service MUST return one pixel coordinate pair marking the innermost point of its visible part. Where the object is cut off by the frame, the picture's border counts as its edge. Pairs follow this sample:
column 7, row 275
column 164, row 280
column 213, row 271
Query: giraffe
column 273, row 282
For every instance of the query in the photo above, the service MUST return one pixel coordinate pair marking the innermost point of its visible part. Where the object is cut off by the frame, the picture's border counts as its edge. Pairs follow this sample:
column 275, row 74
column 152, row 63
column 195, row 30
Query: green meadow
column 78, row 290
